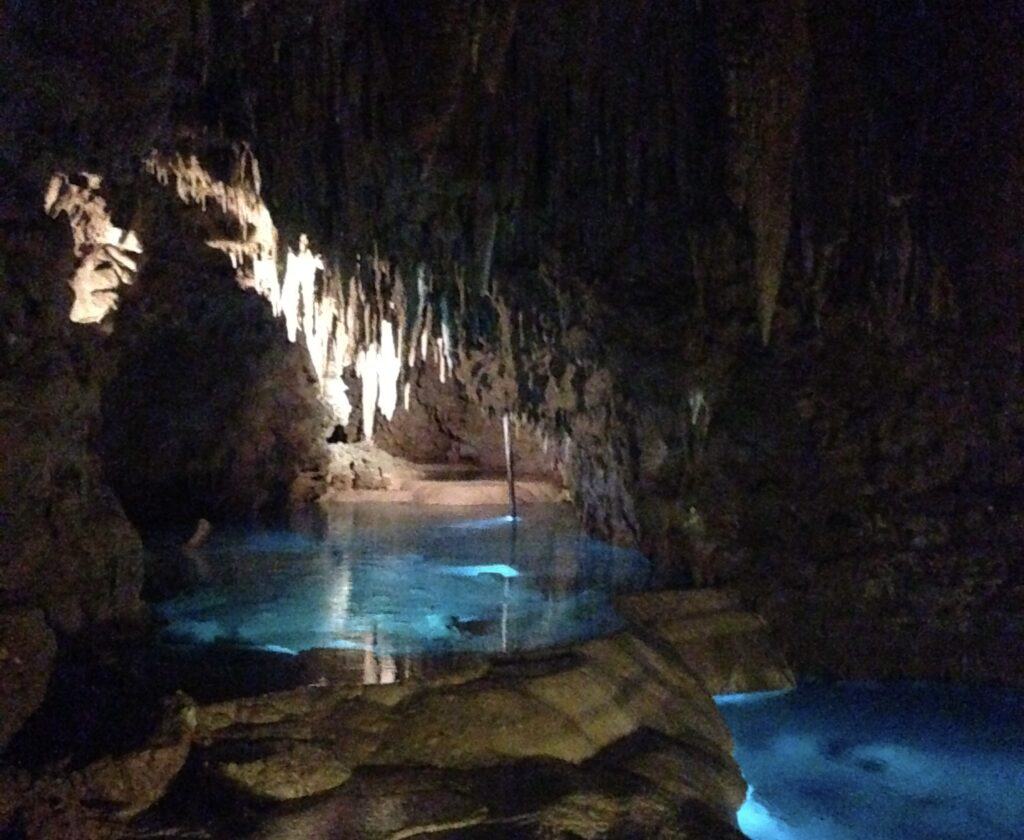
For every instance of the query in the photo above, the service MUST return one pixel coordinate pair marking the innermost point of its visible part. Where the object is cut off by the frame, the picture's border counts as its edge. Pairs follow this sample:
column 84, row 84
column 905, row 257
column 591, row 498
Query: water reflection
column 390, row 582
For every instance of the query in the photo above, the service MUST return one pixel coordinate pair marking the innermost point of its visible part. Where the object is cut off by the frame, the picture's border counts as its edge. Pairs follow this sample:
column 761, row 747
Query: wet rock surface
column 612, row 737
column 132, row 782
column 363, row 472
column 730, row 648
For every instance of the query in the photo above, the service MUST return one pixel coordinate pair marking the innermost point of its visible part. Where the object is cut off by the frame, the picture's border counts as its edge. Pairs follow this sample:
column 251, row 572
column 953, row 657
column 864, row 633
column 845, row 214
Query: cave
column 511, row 418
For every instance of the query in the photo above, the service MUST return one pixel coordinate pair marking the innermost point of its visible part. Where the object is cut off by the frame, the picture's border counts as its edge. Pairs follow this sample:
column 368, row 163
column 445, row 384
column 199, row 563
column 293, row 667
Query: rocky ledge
column 615, row 737
column 362, row 472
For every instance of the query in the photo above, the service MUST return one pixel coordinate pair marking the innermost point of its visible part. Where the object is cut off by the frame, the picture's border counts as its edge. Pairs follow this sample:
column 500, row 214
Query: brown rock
column 27, row 650
column 727, row 647
column 286, row 770
column 133, row 782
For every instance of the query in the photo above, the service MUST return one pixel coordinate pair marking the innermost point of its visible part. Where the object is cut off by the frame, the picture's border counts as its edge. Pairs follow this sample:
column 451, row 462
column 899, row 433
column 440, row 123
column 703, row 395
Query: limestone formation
column 745, row 275
column 731, row 649
column 27, row 649
column 130, row 783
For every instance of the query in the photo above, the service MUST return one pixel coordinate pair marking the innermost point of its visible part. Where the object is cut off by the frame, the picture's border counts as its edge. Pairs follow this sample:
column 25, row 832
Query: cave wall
column 65, row 536
column 443, row 424
column 768, row 259
column 209, row 411
column 754, row 266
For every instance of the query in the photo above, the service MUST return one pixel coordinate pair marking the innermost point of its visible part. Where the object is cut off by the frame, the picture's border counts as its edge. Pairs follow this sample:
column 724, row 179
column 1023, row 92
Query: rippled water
column 892, row 761
column 399, row 579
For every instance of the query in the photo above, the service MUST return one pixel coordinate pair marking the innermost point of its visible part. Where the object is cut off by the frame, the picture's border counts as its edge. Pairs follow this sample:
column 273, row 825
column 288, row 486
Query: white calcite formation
column 363, row 322
column 359, row 326
column 107, row 255
column 298, row 291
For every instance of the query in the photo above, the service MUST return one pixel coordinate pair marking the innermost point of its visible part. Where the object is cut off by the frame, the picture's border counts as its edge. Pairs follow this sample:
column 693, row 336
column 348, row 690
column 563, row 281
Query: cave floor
column 363, row 472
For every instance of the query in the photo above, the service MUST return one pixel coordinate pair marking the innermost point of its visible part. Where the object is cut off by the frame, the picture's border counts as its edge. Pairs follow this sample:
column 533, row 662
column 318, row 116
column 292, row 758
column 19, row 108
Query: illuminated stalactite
column 298, row 291
column 367, row 322
column 254, row 254
column 106, row 254
column 389, row 371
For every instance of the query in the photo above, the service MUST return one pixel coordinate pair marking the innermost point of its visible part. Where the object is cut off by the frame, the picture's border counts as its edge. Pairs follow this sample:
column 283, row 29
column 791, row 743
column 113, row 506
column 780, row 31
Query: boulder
column 27, row 651
column 606, row 690
column 727, row 647
column 480, row 726
column 285, row 770
column 130, row 783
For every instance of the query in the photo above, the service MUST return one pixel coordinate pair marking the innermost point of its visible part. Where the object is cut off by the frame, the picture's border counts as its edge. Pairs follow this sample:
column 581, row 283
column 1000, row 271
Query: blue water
column 405, row 580
column 863, row 761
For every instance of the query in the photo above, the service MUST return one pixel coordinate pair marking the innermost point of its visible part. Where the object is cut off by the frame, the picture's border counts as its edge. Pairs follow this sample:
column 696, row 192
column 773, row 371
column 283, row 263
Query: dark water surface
column 406, row 580
column 861, row 761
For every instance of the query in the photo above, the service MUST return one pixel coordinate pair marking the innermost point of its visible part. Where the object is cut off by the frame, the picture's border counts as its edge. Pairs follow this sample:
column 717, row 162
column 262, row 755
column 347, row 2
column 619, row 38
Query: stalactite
column 254, row 254
column 445, row 340
column 298, row 289
column 425, row 332
column 415, row 336
column 367, row 371
column 370, row 323
column 389, row 369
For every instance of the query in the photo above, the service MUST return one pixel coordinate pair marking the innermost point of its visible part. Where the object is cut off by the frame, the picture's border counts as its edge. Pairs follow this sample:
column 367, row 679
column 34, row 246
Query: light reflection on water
column 398, row 580
column 901, row 761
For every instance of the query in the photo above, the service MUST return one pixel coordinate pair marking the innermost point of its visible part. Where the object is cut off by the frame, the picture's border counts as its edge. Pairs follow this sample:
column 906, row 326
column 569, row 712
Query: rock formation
column 614, row 737
column 748, row 271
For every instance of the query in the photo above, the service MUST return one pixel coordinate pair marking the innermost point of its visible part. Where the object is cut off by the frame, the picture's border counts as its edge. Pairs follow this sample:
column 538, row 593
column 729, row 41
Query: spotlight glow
column 501, row 569
column 484, row 524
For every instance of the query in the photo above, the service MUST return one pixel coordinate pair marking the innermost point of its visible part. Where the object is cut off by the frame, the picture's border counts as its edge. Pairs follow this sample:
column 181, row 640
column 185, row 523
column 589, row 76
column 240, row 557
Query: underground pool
column 892, row 761
column 403, row 580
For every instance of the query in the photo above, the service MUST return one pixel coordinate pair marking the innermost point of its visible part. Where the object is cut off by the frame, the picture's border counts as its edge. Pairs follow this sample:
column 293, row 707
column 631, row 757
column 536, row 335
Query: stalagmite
column 510, row 468
column 335, row 393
